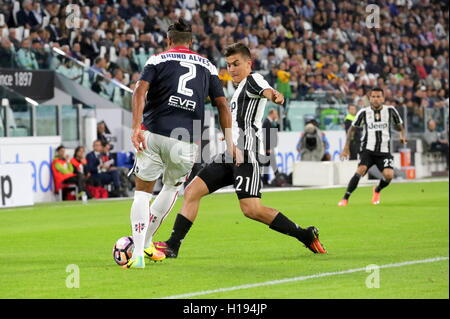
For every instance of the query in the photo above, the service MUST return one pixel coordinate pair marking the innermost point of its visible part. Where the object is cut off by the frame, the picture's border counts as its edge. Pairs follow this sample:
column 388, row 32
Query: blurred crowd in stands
column 301, row 46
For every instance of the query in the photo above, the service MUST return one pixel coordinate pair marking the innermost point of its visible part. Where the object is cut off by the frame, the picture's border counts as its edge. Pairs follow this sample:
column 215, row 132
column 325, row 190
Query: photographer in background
column 311, row 146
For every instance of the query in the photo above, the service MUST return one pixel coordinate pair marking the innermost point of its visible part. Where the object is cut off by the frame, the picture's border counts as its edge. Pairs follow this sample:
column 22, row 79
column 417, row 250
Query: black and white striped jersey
column 247, row 109
column 377, row 127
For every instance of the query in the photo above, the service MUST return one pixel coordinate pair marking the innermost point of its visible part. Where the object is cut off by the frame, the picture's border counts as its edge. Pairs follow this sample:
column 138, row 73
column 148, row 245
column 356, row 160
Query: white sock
column 159, row 210
column 139, row 220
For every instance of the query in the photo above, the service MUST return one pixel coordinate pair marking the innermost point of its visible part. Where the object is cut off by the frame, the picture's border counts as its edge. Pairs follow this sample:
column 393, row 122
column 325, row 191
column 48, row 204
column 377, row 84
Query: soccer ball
column 123, row 249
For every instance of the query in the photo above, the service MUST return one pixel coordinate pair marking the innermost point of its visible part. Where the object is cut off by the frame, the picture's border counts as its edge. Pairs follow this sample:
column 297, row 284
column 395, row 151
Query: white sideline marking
column 301, row 278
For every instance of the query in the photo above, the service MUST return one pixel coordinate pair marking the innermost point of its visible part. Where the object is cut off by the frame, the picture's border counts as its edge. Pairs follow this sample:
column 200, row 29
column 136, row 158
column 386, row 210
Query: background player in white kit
column 169, row 97
column 375, row 143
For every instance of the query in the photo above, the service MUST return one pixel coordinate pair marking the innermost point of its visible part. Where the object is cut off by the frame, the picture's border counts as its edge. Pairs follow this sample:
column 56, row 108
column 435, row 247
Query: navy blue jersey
column 180, row 82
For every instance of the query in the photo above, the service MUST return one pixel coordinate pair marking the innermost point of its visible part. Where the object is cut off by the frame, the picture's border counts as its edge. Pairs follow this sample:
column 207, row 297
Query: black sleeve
column 347, row 125
column 360, row 117
column 256, row 84
column 396, row 119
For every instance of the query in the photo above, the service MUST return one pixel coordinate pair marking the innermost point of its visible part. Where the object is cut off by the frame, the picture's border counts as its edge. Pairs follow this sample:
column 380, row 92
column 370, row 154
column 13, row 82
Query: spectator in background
column 102, row 130
column 270, row 128
column 310, row 145
column 6, row 53
column 126, row 182
column 100, row 169
column 283, row 85
column 100, row 65
column 25, row 58
column 436, row 141
column 64, row 172
column 42, row 57
column 355, row 140
column 79, row 160
column 26, row 17
column 54, row 29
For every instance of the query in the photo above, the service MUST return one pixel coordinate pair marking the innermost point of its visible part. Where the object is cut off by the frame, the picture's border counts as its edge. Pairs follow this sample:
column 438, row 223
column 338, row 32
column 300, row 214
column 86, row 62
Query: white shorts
column 167, row 156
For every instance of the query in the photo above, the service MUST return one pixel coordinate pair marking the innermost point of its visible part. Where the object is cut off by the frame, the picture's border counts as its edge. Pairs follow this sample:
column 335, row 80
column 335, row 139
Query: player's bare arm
column 401, row 129
column 274, row 96
column 137, row 137
column 225, row 124
column 346, row 151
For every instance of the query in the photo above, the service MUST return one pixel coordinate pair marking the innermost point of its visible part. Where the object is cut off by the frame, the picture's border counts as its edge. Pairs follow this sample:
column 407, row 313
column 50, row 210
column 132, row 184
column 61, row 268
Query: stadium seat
column 102, row 51
column 112, row 54
column 19, row 34
column 26, row 33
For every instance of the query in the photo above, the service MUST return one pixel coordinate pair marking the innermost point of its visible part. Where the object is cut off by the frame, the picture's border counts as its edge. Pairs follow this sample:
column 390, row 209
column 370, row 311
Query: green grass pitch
column 224, row 249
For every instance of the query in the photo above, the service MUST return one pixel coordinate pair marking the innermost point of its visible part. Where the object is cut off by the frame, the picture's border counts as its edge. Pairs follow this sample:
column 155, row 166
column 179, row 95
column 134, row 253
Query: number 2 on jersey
column 182, row 89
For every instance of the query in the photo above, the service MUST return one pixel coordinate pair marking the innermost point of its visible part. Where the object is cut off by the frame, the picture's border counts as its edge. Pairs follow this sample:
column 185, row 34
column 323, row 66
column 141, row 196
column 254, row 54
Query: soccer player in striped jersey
column 376, row 120
column 247, row 109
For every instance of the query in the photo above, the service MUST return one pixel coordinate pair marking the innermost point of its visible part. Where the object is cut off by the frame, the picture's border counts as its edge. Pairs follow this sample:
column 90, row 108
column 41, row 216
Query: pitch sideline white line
column 301, row 278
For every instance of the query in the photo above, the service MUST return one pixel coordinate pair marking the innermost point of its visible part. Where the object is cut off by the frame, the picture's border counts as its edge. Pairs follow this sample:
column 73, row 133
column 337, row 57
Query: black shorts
column 381, row 160
column 246, row 178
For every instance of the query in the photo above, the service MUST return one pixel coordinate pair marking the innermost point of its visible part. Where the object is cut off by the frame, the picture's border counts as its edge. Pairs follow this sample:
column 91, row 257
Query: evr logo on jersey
column 185, row 104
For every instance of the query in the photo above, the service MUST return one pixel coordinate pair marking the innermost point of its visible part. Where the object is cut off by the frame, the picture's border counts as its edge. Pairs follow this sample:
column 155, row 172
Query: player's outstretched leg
column 352, row 185
column 252, row 208
column 183, row 222
column 159, row 210
column 388, row 175
column 139, row 221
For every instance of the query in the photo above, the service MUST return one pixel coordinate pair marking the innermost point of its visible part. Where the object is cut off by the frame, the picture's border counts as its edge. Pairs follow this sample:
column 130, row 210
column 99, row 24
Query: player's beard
column 376, row 107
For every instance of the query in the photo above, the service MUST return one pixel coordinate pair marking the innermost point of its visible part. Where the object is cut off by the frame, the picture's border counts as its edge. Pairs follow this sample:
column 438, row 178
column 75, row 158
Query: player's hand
column 238, row 156
column 138, row 140
column 344, row 154
column 278, row 98
column 403, row 140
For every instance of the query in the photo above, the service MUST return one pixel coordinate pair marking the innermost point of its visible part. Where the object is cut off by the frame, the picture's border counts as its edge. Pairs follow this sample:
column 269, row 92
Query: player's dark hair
column 377, row 89
column 180, row 32
column 237, row 48
column 59, row 148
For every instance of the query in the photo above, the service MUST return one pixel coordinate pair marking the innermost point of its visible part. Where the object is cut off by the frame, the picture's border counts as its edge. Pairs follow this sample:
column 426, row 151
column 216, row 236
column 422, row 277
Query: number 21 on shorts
column 240, row 180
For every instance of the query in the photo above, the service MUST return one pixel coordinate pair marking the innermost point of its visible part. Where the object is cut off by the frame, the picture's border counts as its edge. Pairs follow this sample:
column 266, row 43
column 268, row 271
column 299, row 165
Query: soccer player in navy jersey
column 168, row 114
column 247, row 108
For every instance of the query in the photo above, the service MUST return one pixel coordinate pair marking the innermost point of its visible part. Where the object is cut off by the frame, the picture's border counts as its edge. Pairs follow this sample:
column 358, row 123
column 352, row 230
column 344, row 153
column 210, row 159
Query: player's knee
column 191, row 193
column 251, row 211
column 361, row 170
column 388, row 176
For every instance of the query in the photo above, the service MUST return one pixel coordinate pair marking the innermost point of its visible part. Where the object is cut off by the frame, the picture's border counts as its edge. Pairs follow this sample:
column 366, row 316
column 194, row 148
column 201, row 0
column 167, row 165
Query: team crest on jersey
column 377, row 116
